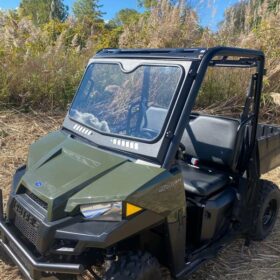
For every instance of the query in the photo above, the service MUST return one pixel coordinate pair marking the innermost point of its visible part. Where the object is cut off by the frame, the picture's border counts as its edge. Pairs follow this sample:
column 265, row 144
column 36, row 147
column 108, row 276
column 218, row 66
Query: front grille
column 26, row 223
column 37, row 200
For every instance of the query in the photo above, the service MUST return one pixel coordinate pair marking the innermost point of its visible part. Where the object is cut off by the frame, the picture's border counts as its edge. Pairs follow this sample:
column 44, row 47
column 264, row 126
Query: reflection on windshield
column 90, row 120
column 132, row 104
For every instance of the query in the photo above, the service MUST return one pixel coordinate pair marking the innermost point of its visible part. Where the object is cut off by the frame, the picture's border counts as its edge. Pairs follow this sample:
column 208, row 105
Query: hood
column 65, row 173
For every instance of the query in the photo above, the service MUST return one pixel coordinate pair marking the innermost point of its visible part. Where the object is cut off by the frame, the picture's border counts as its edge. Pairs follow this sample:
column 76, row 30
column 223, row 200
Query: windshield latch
column 169, row 134
column 192, row 74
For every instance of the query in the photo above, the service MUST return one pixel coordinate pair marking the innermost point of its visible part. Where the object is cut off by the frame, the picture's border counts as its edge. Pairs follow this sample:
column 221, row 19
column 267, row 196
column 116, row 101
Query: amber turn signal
column 132, row 209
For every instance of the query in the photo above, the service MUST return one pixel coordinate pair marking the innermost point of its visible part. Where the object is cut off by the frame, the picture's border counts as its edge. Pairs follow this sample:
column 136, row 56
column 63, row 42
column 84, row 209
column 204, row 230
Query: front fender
column 97, row 234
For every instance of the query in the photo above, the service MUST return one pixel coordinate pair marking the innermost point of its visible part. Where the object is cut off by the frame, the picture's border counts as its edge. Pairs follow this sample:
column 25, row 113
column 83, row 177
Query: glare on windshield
column 133, row 104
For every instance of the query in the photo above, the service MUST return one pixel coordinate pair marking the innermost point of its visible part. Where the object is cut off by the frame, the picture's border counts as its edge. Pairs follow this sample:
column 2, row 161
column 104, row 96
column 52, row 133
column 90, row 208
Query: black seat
column 212, row 141
column 203, row 182
column 155, row 118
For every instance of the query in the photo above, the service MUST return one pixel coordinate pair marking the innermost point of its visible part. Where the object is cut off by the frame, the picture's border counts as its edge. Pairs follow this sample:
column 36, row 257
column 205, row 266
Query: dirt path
column 261, row 261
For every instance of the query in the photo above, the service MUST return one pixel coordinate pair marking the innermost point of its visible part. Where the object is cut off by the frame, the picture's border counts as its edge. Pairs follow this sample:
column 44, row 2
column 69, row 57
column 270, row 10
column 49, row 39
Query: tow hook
column 110, row 257
column 96, row 272
column 88, row 275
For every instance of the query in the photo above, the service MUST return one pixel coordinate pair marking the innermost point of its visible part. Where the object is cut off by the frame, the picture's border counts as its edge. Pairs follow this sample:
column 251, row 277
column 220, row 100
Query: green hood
column 66, row 173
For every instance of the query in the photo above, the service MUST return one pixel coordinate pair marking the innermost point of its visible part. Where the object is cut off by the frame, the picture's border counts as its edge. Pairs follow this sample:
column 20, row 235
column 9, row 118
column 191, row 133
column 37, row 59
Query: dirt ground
column 260, row 261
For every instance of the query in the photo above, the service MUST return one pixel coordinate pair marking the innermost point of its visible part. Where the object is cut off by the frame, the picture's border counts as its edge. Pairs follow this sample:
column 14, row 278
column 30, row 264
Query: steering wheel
column 148, row 133
column 136, row 108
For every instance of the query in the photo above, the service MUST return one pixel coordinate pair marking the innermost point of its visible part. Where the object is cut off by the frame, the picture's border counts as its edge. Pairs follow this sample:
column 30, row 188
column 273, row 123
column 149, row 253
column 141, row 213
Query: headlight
column 112, row 211
column 106, row 211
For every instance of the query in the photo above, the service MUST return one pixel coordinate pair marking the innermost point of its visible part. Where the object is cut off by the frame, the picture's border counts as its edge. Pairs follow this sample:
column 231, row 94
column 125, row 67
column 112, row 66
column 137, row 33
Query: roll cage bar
column 250, row 58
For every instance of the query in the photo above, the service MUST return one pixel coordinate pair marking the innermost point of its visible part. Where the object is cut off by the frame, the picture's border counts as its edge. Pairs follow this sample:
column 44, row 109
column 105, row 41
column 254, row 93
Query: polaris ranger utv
column 136, row 180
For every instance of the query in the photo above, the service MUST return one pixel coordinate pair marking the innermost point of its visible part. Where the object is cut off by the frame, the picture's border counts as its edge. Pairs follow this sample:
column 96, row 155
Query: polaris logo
column 23, row 214
column 38, row 184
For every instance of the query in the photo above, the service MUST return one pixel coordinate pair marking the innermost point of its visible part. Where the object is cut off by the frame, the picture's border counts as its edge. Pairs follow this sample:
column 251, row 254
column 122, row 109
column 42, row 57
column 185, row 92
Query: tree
column 58, row 10
column 88, row 9
column 125, row 17
column 148, row 4
column 42, row 11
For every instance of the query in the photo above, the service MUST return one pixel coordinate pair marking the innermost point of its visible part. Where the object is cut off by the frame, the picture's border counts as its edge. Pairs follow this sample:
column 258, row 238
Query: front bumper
column 93, row 235
column 30, row 266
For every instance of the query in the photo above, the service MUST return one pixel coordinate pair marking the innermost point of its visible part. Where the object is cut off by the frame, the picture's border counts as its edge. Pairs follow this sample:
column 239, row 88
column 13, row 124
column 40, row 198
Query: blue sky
column 210, row 11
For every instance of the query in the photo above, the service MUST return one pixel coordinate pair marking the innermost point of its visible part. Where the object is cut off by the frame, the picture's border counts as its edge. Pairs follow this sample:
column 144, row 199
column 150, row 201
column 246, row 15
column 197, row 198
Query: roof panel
column 178, row 53
column 194, row 53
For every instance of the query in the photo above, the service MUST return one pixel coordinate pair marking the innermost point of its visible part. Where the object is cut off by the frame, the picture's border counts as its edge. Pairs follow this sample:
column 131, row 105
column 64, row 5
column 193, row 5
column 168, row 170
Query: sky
column 210, row 11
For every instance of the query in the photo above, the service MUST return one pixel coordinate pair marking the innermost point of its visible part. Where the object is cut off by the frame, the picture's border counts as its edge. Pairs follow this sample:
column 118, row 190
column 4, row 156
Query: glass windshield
column 133, row 104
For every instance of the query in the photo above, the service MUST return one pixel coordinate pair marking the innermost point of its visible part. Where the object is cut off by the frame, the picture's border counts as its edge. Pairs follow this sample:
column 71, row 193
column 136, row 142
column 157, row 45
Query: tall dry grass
column 40, row 67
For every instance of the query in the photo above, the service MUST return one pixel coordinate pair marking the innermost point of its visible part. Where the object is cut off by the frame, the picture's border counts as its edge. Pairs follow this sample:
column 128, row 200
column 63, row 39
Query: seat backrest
column 211, row 139
column 155, row 118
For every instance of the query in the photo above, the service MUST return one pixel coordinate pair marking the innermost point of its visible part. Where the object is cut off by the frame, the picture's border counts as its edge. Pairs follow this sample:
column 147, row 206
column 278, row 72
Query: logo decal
column 38, row 184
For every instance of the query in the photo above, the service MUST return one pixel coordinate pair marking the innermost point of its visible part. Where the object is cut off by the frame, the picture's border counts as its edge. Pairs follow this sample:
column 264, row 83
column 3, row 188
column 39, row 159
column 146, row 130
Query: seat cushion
column 202, row 182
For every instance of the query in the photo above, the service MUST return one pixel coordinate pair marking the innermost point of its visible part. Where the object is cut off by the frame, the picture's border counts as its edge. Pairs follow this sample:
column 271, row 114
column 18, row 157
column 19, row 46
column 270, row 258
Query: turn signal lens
column 132, row 209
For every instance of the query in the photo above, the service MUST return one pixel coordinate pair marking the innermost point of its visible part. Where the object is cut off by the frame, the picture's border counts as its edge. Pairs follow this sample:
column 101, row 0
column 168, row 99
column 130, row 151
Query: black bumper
column 31, row 267
column 92, row 235
column 27, row 262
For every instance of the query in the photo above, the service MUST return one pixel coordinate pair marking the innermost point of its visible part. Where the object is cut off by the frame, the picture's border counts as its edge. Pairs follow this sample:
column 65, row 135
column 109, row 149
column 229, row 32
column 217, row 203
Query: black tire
column 266, row 211
column 135, row 266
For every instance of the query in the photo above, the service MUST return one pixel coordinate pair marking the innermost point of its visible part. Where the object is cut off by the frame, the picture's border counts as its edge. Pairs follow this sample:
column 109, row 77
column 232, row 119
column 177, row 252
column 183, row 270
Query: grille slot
column 26, row 223
column 37, row 200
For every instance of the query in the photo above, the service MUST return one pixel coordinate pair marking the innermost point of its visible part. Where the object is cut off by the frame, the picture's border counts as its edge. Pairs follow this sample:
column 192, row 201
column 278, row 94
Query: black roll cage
column 249, row 58
column 200, row 59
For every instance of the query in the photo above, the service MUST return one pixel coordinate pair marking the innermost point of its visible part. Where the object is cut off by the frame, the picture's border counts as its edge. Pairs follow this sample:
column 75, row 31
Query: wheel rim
column 270, row 214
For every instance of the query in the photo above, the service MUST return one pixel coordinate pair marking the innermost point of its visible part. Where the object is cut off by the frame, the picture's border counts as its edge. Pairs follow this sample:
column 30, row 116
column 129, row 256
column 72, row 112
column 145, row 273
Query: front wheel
column 128, row 266
column 135, row 266
column 266, row 210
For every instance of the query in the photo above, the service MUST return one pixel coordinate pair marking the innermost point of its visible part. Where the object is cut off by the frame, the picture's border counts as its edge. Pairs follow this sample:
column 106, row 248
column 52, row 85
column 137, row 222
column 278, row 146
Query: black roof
column 179, row 53
column 166, row 53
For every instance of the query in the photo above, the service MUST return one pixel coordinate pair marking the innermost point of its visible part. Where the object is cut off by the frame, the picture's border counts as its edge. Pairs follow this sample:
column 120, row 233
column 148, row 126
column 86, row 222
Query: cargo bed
column 268, row 137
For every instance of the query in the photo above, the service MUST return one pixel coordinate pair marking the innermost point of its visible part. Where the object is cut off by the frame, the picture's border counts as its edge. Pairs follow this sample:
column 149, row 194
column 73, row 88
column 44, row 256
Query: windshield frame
column 70, row 122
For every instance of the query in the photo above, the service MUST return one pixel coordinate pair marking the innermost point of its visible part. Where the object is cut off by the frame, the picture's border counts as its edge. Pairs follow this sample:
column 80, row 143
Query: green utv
column 139, row 183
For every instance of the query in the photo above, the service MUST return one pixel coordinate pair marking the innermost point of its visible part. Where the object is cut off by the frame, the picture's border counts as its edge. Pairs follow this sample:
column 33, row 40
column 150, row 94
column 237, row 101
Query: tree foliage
column 88, row 9
column 148, row 4
column 42, row 11
column 166, row 25
column 247, row 15
column 125, row 17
